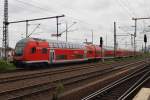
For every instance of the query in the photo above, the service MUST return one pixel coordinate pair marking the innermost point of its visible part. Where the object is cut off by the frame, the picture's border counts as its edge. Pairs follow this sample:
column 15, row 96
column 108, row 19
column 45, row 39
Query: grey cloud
column 98, row 15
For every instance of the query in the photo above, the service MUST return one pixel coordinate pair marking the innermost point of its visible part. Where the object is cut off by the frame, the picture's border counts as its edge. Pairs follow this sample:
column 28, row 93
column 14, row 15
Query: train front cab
column 30, row 52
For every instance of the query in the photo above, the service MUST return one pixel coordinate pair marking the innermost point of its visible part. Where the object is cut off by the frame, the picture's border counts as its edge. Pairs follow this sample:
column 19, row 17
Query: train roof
column 46, row 40
column 54, row 43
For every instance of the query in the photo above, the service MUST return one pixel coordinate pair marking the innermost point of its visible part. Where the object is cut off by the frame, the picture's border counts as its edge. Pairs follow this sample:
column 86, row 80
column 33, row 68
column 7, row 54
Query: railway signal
column 101, row 41
column 145, row 38
column 101, row 45
column 145, row 41
column 56, row 35
column 135, row 19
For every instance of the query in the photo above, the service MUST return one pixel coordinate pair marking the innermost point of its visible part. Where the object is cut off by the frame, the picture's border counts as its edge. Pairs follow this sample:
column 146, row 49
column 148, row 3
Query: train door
column 52, row 54
column 85, row 54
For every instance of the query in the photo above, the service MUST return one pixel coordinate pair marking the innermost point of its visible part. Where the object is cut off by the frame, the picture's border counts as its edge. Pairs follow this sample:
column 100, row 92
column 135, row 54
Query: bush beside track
column 6, row 66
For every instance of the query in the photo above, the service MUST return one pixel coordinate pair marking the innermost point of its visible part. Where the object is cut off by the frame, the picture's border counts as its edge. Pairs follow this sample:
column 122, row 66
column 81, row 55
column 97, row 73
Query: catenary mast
column 5, row 29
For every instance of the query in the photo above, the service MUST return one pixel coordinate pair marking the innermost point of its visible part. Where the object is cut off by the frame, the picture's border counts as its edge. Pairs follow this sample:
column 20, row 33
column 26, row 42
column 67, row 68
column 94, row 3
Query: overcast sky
column 96, row 15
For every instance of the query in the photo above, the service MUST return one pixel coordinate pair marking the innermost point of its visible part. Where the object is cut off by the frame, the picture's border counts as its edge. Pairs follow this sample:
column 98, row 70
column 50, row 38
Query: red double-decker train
column 34, row 51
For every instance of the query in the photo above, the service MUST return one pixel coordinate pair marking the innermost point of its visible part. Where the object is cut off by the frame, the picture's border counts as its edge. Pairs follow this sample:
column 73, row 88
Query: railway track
column 144, row 81
column 122, row 89
column 31, row 85
column 26, row 74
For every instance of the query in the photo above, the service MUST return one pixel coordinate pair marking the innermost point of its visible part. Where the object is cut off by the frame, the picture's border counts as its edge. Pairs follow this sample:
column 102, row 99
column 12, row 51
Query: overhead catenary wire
column 124, row 9
column 46, row 10
column 34, row 6
column 129, row 7
column 146, row 8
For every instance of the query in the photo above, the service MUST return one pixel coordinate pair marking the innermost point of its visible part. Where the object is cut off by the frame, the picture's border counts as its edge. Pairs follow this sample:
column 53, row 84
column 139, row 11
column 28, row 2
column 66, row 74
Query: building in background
column 1, row 52
column 10, row 52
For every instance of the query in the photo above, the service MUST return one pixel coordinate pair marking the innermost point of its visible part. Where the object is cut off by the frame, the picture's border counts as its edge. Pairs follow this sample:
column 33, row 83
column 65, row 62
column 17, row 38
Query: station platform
column 144, row 94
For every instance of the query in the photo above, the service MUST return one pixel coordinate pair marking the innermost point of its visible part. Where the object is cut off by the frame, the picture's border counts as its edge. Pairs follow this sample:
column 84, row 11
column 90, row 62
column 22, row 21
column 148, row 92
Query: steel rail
column 131, row 90
column 108, row 87
column 75, row 79
column 45, row 73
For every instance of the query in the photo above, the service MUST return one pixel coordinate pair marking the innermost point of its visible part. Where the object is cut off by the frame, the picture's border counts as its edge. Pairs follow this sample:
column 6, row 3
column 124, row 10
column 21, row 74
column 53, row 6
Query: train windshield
column 19, row 48
column 19, row 51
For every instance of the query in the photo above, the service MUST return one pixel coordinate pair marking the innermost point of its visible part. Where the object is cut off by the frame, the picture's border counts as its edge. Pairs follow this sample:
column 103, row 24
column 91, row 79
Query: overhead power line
column 125, row 10
column 128, row 6
column 35, row 6
column 32, row 5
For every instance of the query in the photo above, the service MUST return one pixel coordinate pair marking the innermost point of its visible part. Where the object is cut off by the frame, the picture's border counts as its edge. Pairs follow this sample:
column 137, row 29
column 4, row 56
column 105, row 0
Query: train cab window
column 18, row 51
column 33, row 50
column 44, row 51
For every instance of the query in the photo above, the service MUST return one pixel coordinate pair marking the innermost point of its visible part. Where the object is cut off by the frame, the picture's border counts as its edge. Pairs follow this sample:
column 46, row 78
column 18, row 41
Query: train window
column 78, row 46
column 44, row 50
column 82, row 46
column 73, row 45
column 55, row 45
column 19, row 51
column 70, row 45
column 67, row 45
column 90, row 51
column 64, row 45
column 59, row 45
column 50, row 45
column 33, row 50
